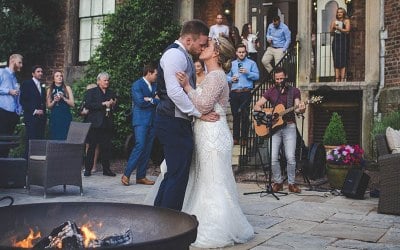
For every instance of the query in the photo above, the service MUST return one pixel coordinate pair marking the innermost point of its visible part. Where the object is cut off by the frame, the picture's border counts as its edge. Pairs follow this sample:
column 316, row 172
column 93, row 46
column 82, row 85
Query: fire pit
column 152, row 227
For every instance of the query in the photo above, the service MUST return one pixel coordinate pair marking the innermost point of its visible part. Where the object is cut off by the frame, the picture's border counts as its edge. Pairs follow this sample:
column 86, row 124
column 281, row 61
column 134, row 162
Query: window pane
column 97, row 7
column 85, row 28
column 108, row 6
column 84, row 8
column 97, row 27
column 84, row 50
column 95, row 43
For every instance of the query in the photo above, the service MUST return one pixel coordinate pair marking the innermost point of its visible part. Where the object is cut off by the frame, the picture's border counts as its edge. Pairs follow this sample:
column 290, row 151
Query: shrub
column 334, row 133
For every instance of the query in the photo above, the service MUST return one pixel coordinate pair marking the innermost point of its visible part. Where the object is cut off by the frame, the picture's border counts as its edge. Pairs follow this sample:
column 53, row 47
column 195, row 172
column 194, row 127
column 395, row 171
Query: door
column 325, row 14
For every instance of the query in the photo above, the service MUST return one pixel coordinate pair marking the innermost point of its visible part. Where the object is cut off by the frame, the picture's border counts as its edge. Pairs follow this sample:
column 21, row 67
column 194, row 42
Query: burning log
column 70, row 236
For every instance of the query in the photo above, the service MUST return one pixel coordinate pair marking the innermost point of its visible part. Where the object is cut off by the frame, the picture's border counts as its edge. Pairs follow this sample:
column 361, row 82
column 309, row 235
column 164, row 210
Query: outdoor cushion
column 38, row 157
column 393, row 140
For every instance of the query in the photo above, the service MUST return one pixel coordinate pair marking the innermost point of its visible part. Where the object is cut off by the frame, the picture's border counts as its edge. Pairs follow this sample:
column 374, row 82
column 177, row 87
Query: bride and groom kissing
column 197, row 175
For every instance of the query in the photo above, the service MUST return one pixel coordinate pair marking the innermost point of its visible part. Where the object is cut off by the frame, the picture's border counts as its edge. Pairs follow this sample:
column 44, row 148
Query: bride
column 211, row 193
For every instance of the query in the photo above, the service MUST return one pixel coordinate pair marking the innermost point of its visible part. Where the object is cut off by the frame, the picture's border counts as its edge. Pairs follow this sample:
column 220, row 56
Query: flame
column 27, row 242
column 88, row 234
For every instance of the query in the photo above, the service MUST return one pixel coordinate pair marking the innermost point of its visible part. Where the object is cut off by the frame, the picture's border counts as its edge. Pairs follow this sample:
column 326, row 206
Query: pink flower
column 346, row 155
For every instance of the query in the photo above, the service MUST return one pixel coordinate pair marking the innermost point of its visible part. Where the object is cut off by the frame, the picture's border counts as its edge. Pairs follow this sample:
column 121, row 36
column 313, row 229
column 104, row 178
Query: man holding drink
column 241, row 79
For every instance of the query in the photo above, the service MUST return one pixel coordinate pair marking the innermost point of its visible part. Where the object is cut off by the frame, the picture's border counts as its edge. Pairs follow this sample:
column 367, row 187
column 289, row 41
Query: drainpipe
column 382, row 37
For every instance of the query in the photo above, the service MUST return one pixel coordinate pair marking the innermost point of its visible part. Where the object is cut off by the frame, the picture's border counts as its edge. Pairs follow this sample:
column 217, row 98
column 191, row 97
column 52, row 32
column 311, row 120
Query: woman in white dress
column 211, row 194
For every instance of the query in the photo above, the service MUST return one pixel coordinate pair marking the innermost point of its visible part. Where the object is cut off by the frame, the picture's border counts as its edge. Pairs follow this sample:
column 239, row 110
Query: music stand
column 263, row 119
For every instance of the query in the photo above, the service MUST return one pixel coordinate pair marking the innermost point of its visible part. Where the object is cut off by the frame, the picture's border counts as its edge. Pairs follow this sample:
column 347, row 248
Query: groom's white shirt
column 172, row 61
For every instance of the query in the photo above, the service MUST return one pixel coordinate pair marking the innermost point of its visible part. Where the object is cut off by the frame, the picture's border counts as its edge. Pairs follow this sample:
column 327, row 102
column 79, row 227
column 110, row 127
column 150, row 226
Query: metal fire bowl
column 152, row 227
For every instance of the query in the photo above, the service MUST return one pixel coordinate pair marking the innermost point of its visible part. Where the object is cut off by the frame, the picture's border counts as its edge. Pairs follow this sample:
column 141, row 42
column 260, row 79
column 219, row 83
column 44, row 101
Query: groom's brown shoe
column 144, row 181
column 125, row 180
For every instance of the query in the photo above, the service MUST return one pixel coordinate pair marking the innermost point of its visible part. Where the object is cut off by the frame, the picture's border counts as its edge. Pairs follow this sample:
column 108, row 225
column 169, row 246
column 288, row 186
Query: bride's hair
column 226, row 52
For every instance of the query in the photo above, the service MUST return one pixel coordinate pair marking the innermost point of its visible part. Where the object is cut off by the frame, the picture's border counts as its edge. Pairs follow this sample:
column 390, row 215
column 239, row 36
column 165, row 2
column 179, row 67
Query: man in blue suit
column 33, row 101
column 144, row 107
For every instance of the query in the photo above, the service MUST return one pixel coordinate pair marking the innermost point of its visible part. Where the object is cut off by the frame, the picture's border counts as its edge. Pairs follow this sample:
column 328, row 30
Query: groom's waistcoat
column 166, row 106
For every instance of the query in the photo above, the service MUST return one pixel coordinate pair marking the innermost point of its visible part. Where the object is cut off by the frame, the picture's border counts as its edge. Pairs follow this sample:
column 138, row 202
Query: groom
column 173, row 121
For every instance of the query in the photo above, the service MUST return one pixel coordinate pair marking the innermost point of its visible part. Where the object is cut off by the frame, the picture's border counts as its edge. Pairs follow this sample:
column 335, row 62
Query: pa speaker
column 355, row 184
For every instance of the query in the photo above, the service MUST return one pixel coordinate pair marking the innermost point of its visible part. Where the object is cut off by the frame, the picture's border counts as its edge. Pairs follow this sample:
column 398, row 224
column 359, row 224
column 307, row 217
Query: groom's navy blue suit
column 174, row 131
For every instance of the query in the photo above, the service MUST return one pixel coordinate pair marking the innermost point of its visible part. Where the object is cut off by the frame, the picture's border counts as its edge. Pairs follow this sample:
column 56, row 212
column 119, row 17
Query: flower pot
column 337, row 174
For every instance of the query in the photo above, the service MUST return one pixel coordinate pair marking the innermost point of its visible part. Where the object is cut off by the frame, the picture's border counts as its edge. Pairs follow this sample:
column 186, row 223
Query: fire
column 27, row 242
column 88, row 234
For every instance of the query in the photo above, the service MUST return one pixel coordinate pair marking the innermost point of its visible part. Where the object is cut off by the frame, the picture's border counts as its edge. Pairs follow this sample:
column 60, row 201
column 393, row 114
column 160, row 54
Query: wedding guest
column 219, row 29
column 340, row 27
column 60, row 100
column 100, row 102
column 200, row 71
column 10, row 108
column 84, row 111
column 250, row 40
column 278, row 38
column 241, row 78
column 144, row 109
column 33, row 101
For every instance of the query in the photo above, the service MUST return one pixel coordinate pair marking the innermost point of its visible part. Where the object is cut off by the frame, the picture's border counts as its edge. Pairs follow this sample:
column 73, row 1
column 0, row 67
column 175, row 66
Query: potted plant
column 334, row 134
column 338, row 162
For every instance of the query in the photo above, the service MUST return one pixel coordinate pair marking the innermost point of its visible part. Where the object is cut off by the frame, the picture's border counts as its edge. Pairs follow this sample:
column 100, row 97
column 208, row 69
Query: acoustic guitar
column 261, row 118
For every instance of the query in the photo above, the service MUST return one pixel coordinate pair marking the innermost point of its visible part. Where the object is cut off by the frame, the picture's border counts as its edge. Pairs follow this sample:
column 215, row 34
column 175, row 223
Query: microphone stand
column 267, row 119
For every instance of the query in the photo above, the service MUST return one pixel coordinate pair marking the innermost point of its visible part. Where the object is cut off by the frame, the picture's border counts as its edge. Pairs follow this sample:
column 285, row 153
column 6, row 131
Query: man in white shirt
column 219, row 29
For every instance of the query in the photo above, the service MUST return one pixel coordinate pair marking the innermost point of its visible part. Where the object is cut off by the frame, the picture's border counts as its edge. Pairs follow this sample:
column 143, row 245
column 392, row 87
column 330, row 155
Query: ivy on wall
column 134, row 35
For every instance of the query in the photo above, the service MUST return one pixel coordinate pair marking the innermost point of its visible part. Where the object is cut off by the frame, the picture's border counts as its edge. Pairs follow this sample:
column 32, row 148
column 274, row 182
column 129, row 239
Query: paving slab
column 310, row 220
column 347, row 231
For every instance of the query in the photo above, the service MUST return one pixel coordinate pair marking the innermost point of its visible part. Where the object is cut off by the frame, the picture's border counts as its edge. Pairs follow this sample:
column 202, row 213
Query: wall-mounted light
column 315, row 5
column 349, row 4
column 227, row 8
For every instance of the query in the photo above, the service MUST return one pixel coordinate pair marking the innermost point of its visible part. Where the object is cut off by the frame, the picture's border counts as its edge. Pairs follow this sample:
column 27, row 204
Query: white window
column 91, row 16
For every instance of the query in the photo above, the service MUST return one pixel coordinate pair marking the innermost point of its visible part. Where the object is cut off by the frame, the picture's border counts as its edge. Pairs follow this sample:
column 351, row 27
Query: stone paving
column 310, row 220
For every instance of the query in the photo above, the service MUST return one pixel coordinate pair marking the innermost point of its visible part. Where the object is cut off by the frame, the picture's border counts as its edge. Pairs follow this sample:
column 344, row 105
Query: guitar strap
column 289, row 97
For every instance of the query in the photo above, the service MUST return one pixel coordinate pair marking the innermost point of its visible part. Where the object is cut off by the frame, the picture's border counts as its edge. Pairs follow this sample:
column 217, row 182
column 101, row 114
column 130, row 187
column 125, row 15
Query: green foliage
column 136, row 34
column 391, row 119
column 334, row 133
column 28, row 28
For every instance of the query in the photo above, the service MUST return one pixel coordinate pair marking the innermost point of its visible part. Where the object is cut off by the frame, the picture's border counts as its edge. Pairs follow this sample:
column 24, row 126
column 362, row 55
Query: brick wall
column 208, row 10
column 54, row 59
column 392, row 57
column 356, row 69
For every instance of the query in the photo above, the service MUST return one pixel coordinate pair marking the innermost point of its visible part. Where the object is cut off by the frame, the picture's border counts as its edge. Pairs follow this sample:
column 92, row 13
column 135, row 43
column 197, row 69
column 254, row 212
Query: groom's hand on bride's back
column 210, row 117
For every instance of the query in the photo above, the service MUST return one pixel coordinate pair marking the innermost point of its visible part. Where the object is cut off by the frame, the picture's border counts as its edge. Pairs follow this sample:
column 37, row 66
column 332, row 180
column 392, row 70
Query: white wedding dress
column 211, row 194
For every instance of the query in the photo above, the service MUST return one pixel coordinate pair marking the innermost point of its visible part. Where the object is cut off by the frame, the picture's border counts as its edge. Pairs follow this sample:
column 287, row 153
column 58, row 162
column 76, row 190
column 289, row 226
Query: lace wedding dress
column 211, row 193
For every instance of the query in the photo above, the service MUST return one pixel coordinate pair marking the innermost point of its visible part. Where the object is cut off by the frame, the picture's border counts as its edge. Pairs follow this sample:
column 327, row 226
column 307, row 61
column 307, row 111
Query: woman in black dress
column 340, row 28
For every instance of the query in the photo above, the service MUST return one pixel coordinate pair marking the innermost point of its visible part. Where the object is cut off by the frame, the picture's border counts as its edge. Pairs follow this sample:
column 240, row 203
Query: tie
column 38, row 87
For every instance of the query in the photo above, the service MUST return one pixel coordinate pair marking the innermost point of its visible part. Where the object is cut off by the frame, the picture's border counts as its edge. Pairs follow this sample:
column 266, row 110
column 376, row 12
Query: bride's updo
column 226, row 53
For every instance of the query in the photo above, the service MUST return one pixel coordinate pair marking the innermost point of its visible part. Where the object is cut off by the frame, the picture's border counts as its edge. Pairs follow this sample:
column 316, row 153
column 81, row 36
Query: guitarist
column 287, row 96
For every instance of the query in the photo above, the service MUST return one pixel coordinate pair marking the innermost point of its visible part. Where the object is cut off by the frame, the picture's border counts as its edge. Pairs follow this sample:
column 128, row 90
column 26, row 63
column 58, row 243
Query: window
column 91, row 16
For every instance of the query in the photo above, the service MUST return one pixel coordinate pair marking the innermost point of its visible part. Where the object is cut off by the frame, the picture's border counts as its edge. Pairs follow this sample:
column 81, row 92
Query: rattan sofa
column 52, row 163
column 389, row 169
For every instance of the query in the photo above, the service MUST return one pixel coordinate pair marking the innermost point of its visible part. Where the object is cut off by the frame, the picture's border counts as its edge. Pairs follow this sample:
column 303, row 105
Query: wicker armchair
column 389, row 198
column 52, row 163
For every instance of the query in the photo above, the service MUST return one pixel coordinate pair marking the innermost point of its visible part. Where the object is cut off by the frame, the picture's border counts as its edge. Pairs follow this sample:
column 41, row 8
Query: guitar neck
column 288, row 110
